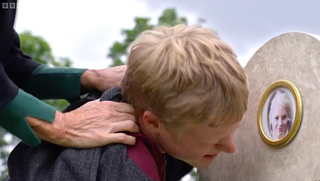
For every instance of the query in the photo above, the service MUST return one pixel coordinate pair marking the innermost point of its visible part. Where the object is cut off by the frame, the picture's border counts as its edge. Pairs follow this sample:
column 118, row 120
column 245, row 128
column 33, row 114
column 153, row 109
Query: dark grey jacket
column 115, row 162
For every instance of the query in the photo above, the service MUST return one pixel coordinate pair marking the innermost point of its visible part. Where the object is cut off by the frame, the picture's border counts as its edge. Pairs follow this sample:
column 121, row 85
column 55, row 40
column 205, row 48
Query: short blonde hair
column 185, row 74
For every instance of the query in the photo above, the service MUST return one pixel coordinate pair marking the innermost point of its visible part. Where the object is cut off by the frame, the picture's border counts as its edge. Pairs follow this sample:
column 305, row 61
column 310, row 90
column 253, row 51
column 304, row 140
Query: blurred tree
column 194, row 175
column 119, row 50
column 39, row 50
column 170, row 18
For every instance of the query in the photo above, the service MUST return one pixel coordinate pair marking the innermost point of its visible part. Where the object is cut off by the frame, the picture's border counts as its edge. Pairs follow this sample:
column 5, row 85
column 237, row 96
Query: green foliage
column 39, row 50
column 36, row 47
column 119, row 50
column 170, row 18
column 195, row 175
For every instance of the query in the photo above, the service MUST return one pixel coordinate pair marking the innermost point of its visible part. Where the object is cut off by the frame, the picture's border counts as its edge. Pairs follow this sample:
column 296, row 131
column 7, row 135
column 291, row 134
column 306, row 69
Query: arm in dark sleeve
column 15, row 105
column 40, row 80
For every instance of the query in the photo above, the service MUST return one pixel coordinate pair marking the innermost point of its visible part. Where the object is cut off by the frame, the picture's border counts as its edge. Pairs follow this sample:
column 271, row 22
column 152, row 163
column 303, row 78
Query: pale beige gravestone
column 294, row 57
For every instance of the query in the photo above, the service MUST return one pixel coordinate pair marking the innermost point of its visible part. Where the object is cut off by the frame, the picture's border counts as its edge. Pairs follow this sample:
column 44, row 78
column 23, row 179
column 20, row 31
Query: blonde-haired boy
column 189, row 93
column 188, row 89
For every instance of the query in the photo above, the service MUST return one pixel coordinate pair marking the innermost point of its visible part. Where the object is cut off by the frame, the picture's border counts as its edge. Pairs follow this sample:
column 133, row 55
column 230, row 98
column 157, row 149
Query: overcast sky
column 84, row 30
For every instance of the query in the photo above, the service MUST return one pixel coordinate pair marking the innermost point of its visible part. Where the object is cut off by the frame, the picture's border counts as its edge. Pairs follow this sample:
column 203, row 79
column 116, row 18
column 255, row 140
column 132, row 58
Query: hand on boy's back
column 92, row 125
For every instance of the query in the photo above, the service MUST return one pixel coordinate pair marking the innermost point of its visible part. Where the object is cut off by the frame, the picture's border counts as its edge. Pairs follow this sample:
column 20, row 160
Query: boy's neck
column 151, row 137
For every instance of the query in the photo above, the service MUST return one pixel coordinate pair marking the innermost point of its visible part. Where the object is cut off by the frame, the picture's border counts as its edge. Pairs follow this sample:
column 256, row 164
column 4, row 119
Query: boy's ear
column 151, row 122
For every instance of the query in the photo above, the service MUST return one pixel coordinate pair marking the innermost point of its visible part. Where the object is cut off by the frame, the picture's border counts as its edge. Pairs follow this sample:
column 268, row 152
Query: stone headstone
column 294, row 57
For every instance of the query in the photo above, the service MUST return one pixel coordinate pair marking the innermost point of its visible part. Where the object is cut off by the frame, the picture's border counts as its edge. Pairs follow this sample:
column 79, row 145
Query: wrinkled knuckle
column 122, row 137
column 131, row 125
column 109, row 128
column 106, row 112
column 110, row 115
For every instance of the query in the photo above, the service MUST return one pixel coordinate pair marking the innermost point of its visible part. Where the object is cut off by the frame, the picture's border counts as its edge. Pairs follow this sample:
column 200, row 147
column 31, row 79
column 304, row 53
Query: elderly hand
column 103, row 79
column 93, row 124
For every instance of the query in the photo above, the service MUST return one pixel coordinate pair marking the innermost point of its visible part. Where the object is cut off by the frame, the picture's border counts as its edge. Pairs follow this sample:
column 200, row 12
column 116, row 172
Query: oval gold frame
column 297, row 119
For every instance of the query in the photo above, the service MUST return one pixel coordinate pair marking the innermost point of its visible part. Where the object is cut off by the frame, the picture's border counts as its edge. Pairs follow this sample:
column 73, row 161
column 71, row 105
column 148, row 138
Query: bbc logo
column 9, row 5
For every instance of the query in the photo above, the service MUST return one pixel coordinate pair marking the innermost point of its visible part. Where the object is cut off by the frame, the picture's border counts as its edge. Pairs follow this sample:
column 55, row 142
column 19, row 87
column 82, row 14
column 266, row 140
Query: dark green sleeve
column 55, row 83
column 13, row 116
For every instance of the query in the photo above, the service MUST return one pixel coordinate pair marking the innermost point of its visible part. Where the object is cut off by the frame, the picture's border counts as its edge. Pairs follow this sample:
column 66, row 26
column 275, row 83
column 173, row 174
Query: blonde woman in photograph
column 279, row 115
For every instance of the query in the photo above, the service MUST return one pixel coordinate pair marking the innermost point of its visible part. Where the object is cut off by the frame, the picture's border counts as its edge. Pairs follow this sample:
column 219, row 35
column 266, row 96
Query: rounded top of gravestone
column 294, row 57
column 287, row 41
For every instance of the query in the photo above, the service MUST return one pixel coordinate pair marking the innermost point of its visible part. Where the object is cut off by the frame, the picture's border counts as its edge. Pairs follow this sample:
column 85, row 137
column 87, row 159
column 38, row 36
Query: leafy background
column 40, row 51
